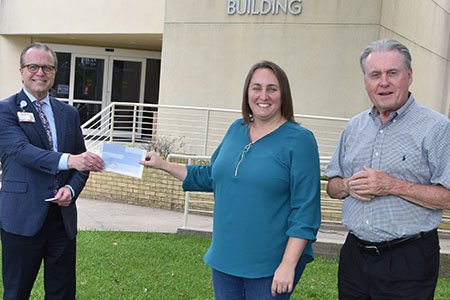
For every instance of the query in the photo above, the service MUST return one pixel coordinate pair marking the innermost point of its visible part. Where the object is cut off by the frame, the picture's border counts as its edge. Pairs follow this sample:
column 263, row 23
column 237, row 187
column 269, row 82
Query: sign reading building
column 264, row 7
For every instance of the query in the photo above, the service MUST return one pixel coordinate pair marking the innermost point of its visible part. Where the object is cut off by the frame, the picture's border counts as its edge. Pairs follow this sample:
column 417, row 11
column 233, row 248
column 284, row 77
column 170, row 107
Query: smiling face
column 387, row 81
column 264, row 96
column 39, row 83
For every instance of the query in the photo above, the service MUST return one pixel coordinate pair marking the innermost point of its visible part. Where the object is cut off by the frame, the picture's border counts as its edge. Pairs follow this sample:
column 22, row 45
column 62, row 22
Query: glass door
column 88, row 87
column 81, row 85
column 126, row 81
column 91, row 78
column 127, row 78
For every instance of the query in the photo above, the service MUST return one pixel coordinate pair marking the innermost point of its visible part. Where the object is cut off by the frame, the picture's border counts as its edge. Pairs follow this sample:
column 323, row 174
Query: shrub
column 164, row 145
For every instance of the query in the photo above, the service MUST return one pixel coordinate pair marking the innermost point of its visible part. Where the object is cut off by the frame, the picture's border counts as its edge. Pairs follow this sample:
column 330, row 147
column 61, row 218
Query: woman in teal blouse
column 265, row 176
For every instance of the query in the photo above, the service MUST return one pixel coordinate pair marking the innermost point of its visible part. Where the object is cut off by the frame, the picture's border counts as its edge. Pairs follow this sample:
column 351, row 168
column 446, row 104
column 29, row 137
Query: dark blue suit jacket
column 30, row 167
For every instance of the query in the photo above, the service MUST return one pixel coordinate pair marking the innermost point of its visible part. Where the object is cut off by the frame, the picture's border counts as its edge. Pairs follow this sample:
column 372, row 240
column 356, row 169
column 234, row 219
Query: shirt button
column 367, row 222
column 376, row 153
column 381, row 131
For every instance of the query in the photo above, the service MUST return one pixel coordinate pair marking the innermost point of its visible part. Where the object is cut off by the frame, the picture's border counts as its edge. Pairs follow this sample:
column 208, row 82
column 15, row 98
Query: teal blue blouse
column 264, row 193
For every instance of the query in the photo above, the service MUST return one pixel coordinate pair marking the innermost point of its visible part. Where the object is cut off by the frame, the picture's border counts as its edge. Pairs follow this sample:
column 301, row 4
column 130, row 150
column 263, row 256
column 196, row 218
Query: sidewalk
column 107, row 215
column 114, row 216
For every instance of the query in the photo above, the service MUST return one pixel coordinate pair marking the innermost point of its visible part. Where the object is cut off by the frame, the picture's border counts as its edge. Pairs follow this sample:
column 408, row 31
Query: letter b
column 231, row 7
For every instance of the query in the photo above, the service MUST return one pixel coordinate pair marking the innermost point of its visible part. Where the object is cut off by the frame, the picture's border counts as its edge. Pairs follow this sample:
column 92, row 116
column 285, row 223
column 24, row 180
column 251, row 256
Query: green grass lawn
column 119, row 265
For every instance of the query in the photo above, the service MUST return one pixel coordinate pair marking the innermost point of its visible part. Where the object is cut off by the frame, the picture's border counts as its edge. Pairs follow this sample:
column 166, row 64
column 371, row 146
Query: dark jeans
column 229, row 287
column 407, row 272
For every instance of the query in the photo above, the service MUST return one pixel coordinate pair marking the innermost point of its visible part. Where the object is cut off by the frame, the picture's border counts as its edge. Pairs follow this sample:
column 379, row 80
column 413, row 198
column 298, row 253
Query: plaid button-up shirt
column 413, row 145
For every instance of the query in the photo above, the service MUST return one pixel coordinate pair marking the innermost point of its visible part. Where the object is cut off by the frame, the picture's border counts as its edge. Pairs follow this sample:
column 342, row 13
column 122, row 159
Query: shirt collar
column 406, row 107
column 374, row 113
column 32, row 98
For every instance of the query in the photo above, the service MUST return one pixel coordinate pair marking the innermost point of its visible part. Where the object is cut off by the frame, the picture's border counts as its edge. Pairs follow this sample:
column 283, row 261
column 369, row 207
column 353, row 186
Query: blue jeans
column 229, row 287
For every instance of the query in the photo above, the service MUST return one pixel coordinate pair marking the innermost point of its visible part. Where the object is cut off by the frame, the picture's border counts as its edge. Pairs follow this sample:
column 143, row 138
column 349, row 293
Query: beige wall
column 207, row 53
column 81, row 22
column 424, row 27
column 10, row 49
column 81, row 16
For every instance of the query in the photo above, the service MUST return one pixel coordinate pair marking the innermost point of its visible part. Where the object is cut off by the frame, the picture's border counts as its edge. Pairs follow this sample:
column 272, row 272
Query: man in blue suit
column 45, row 166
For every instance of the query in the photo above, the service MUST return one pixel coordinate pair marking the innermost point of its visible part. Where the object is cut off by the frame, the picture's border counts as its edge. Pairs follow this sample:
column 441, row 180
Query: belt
column 378, row 248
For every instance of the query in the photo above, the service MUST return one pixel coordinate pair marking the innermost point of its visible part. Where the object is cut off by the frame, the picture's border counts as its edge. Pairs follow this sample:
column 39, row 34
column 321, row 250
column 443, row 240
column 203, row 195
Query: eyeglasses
column 33, row 68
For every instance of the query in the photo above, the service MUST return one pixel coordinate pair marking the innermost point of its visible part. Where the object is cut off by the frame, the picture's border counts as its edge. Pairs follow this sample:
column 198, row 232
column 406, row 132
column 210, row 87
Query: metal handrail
column 188, row 201
column 328, row 204
column 187, row 198
column 202, row 127
column 205, row 127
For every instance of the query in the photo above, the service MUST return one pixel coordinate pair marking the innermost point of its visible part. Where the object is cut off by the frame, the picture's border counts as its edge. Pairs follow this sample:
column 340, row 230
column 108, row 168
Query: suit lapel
column 60, row 123
column 37, row 126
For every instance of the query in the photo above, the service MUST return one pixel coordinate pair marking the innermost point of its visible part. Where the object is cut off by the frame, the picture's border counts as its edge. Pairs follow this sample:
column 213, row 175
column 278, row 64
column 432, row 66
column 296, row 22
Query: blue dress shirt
column 47, row 109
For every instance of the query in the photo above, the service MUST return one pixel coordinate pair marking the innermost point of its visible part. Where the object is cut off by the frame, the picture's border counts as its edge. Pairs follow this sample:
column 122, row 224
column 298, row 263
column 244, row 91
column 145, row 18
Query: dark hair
column 287, row 108
column 385, row 45
column 38, row 46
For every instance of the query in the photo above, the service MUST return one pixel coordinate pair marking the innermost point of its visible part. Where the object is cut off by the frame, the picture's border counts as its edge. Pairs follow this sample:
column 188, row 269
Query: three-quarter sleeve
column 304, row 218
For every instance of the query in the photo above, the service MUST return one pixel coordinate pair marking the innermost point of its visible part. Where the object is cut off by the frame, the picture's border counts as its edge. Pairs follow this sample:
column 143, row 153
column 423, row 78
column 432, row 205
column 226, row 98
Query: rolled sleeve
column 198, row 178
column 304, row 219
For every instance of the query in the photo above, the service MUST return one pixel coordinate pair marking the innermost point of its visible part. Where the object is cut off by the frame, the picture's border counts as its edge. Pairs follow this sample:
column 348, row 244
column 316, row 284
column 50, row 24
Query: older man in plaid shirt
column 392, row 166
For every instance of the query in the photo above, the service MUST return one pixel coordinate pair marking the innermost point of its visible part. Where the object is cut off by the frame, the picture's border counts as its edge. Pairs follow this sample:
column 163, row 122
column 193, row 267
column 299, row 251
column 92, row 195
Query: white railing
column 187, row 195
column 331, row 208
column 200, row 129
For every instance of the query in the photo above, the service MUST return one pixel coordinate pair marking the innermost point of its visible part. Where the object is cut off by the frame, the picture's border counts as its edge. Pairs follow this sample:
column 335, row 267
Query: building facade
column 198, row 52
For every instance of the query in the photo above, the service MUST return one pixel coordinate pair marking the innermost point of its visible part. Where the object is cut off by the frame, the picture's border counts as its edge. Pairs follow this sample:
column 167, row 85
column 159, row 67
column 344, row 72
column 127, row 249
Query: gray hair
column 385, row 45
column 38, row 46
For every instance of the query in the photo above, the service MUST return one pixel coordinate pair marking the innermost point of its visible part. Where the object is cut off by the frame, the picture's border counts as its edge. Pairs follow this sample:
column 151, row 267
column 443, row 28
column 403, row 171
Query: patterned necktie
column 44, row 121
column 46, row 125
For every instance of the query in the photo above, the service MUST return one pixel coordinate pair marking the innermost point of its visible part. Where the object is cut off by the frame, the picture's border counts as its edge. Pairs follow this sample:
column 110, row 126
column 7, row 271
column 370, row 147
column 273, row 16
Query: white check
column 122, row 160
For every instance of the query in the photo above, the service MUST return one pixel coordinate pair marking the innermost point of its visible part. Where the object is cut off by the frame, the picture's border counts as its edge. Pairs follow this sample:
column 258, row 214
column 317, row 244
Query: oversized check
column 122, row 160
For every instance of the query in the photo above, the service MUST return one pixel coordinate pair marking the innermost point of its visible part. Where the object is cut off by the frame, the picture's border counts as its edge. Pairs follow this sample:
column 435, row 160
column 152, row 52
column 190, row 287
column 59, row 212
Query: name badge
column 26, row 117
